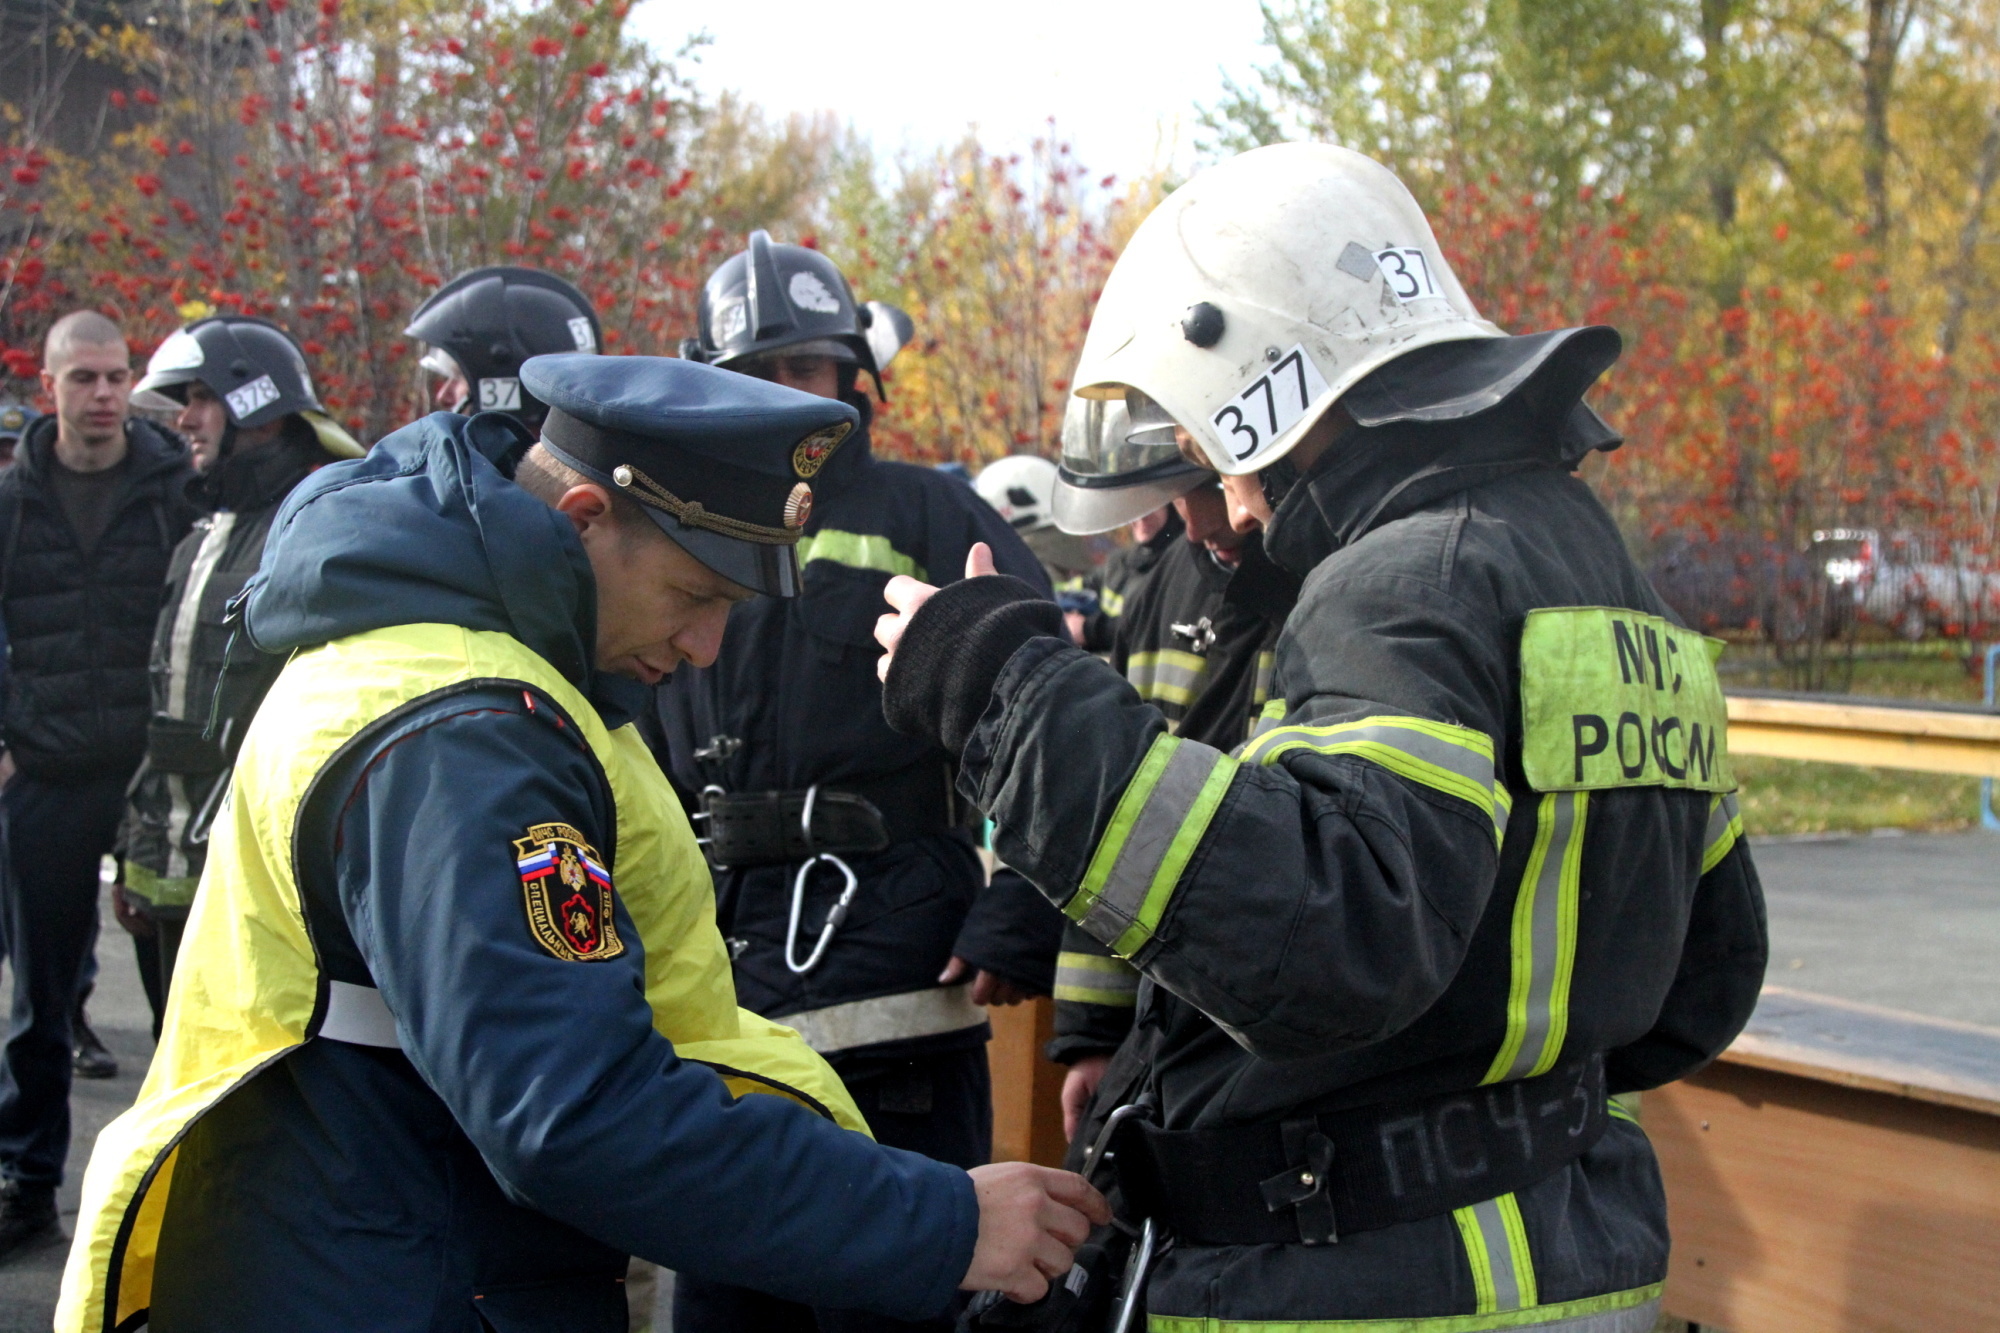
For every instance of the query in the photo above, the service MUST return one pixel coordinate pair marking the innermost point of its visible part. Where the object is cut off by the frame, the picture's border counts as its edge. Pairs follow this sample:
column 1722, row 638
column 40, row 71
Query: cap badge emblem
column 798, row 506
column 813, row 451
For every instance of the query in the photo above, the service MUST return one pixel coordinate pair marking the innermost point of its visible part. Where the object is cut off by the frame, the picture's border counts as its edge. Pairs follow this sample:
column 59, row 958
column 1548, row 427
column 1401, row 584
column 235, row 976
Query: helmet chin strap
column 227, row 444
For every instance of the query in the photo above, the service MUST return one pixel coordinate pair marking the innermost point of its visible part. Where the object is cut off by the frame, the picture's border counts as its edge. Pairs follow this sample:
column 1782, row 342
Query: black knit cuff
column 953, row 650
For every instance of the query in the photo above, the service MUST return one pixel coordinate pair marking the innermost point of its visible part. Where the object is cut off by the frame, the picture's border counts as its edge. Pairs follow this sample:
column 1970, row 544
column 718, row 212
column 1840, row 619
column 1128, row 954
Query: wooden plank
column 1027, row 1087
column 1800, row 1206
column 1883, row 719
column 1882, row 1050
column 1843, row 732
column 1925, row 754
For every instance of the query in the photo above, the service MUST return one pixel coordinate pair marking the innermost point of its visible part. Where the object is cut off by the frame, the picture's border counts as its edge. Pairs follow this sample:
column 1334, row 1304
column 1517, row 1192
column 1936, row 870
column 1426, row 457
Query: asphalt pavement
column 1905, row 921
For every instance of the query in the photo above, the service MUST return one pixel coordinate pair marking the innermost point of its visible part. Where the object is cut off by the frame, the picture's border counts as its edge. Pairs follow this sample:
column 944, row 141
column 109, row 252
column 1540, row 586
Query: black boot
column 91, row 1060
column 27, row 1215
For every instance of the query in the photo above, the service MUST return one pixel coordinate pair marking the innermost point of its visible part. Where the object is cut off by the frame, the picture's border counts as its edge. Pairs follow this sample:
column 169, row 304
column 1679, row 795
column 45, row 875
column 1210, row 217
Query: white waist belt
column 357, row 1016
column 920, row 1013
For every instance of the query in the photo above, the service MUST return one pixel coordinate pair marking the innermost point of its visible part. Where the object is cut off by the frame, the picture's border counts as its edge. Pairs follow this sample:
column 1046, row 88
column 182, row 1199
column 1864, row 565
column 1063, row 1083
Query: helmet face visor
column 1104, row 438
column 1120, row 461
column 176, row 362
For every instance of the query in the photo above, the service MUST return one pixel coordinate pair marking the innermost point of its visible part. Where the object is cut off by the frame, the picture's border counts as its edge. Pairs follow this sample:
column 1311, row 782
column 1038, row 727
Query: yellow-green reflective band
column 160, row 890
column 1260, row 690
column 858, row 550
column 1269, row 718
column 1633, row 1311
column 1543, row 941
column 1614, row 698
column 1496, row 1248
column 1154, row 831
column 1173, row 676
column 1088, row 978
column 1725, row 826
column 1477, row 1259
column 1111, row 602
column 1457, row 761
column 1619, row 1110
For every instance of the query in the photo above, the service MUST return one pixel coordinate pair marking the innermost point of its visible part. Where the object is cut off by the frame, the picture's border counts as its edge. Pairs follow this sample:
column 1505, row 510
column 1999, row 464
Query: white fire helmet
column 1022, row 488
column 1261, row 291
column 1111, row 473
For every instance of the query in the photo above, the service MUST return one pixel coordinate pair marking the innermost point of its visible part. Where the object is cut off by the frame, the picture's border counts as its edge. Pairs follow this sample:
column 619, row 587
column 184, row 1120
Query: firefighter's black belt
column 1314, row 1179
column 756, row 828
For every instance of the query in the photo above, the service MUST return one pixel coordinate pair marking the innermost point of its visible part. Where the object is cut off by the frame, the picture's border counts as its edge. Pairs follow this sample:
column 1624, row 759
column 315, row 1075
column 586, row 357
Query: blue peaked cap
column 722, row 462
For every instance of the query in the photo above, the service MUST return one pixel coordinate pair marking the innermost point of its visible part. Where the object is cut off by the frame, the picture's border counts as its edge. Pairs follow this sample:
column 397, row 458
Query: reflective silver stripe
column 921, row 1013
column 1088, row 978
column 1725, row 826
column 180, row 649
column 1544, row 942
column 180, row 643
column 357, row 1016
column 179, row 811
column 1617, row 1313
column 1441, row 755
column 1172, row 676
column 1459, row 759
column 1638, row 1319
column 1150, row 839
column 1508, row 1286
column 1269, row 719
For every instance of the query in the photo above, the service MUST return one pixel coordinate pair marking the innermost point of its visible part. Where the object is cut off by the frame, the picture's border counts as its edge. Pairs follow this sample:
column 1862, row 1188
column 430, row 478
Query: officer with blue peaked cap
column 721, row 462
column 454, row 1033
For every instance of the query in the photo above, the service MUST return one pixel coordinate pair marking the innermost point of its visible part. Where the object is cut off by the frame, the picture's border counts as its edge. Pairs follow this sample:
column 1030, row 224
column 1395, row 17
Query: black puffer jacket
column 80, row 623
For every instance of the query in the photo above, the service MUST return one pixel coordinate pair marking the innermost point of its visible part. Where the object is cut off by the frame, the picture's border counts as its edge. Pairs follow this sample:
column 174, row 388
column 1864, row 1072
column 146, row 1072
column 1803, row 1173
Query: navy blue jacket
column 795, row 686
column 534, row 1130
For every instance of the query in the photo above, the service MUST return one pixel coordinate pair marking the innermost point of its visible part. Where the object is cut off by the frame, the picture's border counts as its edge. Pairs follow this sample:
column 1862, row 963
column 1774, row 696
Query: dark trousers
column 57, row 833
column 937, row 1105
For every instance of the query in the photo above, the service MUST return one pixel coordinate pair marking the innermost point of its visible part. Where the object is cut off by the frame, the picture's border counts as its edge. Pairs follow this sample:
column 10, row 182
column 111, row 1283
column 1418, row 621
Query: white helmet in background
column 1273, row 284
column 1022, row 488
column 1111, row 475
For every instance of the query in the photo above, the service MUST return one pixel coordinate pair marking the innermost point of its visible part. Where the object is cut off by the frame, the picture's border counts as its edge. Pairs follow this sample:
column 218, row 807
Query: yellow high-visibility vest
column 247, row 985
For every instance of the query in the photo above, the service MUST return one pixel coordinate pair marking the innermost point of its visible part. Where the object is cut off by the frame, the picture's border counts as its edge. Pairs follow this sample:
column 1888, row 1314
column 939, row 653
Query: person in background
column 15, row 418
column 480, row 327
column 243, row 399
column 89, row 517
column 1021, row 488
column 1111, row 473
column 856, row 908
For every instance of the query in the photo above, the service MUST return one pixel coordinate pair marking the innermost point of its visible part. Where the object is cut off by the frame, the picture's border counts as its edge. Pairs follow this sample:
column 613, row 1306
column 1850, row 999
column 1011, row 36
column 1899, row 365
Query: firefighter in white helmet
column 1479, row 870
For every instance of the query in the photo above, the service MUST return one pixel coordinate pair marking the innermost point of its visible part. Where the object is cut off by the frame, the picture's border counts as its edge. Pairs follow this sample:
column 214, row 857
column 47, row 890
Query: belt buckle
column 1306, row 1186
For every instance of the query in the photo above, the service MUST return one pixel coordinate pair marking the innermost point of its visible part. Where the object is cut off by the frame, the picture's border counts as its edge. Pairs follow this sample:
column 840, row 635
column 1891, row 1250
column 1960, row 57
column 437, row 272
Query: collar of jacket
column 1370, row 477
column 1260, row 585
column 152, row 450
column 428, row 528
column 258, row 478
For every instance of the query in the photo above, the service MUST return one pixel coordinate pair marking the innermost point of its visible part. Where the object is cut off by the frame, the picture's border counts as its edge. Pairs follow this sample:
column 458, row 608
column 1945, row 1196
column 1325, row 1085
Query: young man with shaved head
column 89, row 515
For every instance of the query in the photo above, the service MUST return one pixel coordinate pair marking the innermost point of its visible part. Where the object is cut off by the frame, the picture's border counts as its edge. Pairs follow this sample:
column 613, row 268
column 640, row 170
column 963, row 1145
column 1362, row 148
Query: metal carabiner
column 1130, row 1297
column 1096, row 1155
column 834, row 917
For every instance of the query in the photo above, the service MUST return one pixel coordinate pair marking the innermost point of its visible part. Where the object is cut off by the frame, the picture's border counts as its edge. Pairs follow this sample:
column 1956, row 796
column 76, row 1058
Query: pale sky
column 1123, row 79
